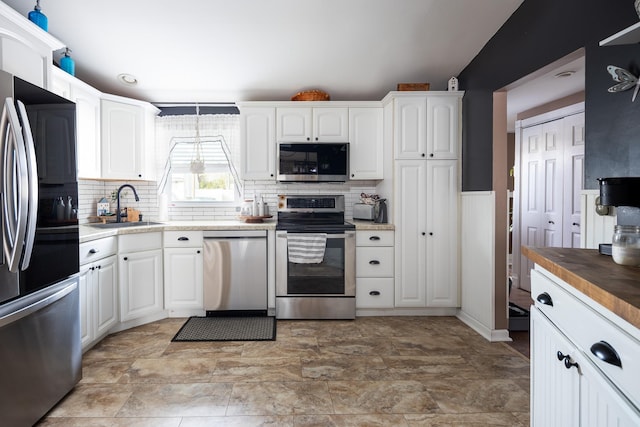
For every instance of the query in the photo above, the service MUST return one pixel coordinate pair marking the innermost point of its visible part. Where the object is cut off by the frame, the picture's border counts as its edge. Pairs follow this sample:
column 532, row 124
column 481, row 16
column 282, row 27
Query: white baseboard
column 493, row 335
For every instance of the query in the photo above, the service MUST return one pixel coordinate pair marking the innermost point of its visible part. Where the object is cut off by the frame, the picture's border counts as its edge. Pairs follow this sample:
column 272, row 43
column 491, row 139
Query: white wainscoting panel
column 595, row 229
column 477, row 213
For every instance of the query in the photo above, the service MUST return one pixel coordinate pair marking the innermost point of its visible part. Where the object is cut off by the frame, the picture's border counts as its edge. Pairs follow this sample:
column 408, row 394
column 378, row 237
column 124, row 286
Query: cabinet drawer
column 374, row 238
column 374, row 262
column 374, row 293
column 588, row 328
column 182, row 239
column 97, row 249
column 139, row 242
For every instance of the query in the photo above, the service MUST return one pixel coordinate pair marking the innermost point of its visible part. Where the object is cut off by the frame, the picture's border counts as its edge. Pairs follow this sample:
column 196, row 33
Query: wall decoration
column 625, row 81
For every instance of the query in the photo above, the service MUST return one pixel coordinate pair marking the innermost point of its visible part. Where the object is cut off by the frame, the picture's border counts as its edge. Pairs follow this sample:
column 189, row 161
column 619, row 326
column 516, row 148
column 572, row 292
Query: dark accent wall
column 537, row 34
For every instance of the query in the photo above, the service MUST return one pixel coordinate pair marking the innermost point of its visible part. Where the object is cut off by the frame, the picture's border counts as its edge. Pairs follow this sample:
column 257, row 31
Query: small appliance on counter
column 371, row 208
column 624, row 194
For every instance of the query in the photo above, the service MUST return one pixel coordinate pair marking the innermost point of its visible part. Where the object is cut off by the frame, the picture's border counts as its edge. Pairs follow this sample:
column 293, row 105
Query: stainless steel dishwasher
column 235, row 272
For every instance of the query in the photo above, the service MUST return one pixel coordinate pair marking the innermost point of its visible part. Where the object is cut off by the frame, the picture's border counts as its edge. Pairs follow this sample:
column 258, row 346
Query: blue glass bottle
column 67, row 63
column 38, row 17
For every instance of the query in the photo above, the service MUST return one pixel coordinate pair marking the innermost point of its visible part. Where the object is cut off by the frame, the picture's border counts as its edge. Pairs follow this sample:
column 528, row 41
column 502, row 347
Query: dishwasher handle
column 234, row 234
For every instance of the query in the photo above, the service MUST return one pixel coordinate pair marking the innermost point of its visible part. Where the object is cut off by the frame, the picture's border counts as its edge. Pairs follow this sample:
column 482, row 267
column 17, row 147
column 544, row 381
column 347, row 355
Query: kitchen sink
column 125, row 224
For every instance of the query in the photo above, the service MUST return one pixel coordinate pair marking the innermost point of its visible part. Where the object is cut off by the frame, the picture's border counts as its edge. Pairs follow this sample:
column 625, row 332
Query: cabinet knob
column 93, row 251
column 431, row 233
column 576, row 223
column 125, row 258
column 567, row 360
column 374, row 262
column 353, row 175
column 183, row 239
column 308, row 139
column 424, row 234
column 139, row 175
column 605, row 352
column 545, row 299
column 422, row 155
column 316, row 138
column 92, row 268
column 374, row 293
column 430, row 154
column 198, row 251
column 551, row 222
column 271, row 175
column 99, row 267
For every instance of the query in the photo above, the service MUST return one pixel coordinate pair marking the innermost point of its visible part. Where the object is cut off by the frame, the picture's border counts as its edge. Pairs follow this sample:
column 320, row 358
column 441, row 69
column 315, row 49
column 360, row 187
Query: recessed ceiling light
column 568, row 73
column 127, row 79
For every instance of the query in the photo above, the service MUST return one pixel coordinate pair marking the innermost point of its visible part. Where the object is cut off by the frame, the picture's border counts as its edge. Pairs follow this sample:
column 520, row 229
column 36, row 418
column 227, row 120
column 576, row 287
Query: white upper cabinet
column 258, row 142
column 427, row 126
column 443, row 127
column 410, row 127
column 366, row 143
column 87, row 101
column 318, row 124
column 127, row 139
column 26, row 50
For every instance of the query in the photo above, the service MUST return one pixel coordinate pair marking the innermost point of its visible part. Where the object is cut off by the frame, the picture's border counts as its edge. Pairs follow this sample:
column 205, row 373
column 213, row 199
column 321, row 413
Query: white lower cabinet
column 374, row 269
column 140, row 273
column 570, row 384
column 426, row 219
column 98, row 290
column 183, row 273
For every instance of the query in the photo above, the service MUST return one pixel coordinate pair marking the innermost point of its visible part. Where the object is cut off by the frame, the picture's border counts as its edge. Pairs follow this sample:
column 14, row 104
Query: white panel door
column 555, row 391
column 573, row 178
column 330, row 124
column 293, row 124
column 552, row 184
column 410, row 127
column 105, row 295
column 442, row 127
column 258, row 138
column 86, row 304
column 410, row 213
column 530, row 197
column 87, row 132
column 140, row 284
column 365, row 143
column 183, row 276
column 442, row 234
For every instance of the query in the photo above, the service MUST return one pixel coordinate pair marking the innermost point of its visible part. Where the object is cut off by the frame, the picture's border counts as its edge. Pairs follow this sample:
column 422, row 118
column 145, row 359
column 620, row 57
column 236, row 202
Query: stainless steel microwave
column 306, row 162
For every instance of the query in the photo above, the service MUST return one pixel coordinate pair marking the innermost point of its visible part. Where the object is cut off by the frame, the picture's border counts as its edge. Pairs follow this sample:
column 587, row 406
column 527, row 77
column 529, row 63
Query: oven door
column 334, row 276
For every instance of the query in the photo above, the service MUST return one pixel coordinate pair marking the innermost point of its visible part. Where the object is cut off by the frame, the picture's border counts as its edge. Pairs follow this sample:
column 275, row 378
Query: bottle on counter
column 68, row 208
column 261, row 207
column 254, row 206
column 60, row 208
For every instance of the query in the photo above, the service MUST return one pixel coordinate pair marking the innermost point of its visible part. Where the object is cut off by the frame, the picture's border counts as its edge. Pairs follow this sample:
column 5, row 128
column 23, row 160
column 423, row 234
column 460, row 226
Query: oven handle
column 329, row 236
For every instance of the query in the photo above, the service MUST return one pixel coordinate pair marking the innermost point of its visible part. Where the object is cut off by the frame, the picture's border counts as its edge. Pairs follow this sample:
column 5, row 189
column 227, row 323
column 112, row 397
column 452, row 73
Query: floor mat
column 255, row 328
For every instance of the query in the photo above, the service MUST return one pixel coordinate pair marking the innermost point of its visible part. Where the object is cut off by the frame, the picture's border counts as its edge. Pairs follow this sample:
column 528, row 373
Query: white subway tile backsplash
column 90, row 191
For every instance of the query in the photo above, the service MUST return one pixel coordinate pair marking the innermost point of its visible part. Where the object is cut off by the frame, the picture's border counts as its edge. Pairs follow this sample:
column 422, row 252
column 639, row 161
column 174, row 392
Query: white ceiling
column 233, row 50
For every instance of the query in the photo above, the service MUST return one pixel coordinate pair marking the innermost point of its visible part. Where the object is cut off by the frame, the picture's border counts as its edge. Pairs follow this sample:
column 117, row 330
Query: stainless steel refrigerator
column 40, row 350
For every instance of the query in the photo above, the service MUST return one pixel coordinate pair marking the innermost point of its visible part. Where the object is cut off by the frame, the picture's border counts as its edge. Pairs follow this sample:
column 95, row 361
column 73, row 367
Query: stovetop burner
column 316, row 213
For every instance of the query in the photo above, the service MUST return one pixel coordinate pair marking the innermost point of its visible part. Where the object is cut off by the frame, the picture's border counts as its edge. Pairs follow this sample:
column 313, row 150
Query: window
column 199, row 164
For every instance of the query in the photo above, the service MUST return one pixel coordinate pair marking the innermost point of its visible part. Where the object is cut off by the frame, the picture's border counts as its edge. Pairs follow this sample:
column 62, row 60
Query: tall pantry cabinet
column 426, row 137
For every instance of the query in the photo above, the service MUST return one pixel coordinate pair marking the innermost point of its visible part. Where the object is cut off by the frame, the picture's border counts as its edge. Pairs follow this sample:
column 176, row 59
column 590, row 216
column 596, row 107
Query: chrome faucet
column 118, row 218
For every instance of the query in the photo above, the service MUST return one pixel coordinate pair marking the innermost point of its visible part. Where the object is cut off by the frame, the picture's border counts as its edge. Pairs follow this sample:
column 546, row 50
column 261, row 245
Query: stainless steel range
column 315, row 259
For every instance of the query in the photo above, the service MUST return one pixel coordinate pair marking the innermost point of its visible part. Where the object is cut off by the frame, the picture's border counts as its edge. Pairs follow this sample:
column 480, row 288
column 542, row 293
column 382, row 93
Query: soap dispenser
column 39, row 18
column 67, row 63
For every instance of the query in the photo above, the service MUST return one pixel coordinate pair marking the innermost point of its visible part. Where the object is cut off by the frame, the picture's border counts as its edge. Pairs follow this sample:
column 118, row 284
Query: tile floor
column 373, row 371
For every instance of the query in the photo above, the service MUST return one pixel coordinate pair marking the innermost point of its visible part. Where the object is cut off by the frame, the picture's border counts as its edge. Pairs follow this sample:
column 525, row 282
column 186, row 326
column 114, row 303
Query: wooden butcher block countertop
column 615, row 287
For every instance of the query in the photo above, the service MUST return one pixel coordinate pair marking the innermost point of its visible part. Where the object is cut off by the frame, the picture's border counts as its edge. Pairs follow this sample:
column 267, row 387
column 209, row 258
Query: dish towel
column 306, row 248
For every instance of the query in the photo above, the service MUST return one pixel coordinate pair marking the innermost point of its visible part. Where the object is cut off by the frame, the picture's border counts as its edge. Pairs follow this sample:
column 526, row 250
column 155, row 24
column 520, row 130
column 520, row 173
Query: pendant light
column 197, row 163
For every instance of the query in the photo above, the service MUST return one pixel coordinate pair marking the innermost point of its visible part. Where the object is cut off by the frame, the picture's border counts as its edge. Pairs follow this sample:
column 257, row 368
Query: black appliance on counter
column 40, row 349
column 326, row 287
column 624, row 194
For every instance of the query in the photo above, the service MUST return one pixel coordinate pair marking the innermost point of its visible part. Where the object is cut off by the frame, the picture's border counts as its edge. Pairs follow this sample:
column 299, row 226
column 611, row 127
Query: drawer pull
column 183, row 239
column 93, row 251
column 374, row 262
column 603, row 351
column 374, row 293
column 374, row 238
column 567, row 360
column 545, row 299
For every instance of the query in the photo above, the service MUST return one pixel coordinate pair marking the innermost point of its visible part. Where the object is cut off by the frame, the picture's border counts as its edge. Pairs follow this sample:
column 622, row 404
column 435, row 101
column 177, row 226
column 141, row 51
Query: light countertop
column 88, row 233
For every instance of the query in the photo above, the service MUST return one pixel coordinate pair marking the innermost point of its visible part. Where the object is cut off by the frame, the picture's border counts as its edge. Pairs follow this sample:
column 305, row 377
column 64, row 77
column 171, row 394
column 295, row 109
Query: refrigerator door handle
column 32, row 172
column 15, row 182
